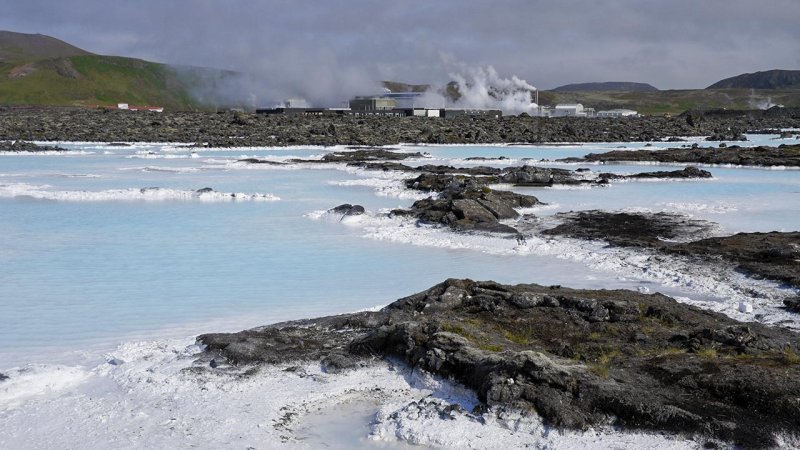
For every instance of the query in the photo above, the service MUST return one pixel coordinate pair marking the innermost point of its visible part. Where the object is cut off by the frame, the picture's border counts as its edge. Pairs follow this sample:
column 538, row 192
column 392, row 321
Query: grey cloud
column 327, row 51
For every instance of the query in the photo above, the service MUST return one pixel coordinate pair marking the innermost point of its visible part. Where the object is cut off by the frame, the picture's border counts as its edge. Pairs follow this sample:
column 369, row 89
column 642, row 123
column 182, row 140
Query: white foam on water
column 384, row 183
column 163, row 169
column 50, row 174
column 153, row 155
column 42, row 192
column 690, row 207
column 48, row 153
column 718, row 288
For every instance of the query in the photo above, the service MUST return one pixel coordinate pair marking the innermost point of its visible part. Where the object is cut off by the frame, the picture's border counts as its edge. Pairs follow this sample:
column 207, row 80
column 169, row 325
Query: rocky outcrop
column 784, row 155
column 465, row 204
column 24, row 146
column 629, row 229
column 689, row 172
column 727, row 135
column 578, row 358
column 348, row 210
column 775, row 255
column 360, row 155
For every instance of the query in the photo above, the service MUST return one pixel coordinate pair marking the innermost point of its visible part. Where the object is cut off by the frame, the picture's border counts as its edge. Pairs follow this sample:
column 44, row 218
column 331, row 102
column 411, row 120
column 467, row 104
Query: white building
column 568, row 109
column 295, row 103
column 422, row 112
column 617, row 113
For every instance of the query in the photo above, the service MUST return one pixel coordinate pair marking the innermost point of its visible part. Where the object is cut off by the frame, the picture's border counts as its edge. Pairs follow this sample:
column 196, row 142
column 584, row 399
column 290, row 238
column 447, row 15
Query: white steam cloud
column 484, row 88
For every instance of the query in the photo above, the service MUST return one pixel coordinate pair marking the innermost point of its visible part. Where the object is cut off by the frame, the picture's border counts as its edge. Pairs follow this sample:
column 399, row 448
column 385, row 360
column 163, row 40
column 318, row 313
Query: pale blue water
column 79, row 274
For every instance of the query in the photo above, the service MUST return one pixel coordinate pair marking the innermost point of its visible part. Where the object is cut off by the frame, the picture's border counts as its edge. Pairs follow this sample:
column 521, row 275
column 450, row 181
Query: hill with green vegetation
column 769, row 79
column 675, row 101
column 41, row 70
column 607, row 86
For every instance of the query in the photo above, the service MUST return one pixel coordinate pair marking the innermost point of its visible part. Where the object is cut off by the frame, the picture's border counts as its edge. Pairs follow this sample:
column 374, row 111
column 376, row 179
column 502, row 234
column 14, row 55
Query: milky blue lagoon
column 93, row 259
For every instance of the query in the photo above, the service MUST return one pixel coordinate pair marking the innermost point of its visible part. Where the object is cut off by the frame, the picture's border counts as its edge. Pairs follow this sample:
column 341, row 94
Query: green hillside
column 769, row 79
column 39, row 70
column 675, row 101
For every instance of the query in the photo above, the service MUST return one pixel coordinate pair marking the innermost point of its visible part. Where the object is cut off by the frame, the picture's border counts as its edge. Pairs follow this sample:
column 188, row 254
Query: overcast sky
column 316, row 48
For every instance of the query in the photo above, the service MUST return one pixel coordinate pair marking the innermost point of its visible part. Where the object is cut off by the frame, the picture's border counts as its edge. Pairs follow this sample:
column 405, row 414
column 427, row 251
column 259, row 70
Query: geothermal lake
column 112, row 263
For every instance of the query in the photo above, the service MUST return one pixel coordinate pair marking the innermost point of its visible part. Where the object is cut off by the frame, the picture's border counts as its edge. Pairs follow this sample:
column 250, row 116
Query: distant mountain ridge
column 769, row 79
column 629, row 86
column 21, row 46
column 41, row 70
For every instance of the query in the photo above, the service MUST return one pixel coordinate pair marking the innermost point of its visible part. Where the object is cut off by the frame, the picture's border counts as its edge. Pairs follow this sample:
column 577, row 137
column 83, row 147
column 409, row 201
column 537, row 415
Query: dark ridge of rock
column 353, row 158
column 792, row 304
column 483, row 158
column 783, row 155
column 579, row 358
column 368, row 155
column 774, row 255
column 628, row 229
column 537, row 176
column 383, row 166
column 727, row 135
column 3, row 377
column 260, row 161
column 348, row 210
column 230, row 130
column 689, row 172
column 24, row 146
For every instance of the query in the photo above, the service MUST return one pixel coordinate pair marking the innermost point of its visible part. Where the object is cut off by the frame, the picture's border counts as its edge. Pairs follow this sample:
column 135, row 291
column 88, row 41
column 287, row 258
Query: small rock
column 348, row 210
column 792, row 304
column 339, row 362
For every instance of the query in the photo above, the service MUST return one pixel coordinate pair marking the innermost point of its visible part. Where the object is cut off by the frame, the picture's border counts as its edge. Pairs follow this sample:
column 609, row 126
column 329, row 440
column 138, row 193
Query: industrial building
column 394, row 112
column 617, row 113
column 372, row 104
column 571, row 110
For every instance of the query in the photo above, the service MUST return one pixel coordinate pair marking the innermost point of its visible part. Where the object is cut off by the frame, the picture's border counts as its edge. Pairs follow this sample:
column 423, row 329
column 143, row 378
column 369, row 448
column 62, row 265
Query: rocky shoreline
column 774, row 256
column 236, row 129
column 578, row 358
column 28, row 147
column 783, row 155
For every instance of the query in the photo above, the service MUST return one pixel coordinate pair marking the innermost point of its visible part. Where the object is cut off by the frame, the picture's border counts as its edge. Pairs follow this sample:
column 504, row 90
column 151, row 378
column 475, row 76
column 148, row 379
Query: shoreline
column 244, row 129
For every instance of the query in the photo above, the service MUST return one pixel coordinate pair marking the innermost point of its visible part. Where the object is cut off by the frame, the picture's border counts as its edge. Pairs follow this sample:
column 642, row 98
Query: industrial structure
column 570, row 110
column 384, row 106
column 617, row 113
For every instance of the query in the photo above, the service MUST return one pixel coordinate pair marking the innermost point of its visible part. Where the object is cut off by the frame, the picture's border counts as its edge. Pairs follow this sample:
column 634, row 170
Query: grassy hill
column 769, row 79
column 40, row 70
column 607, row 86
column 675, row 101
